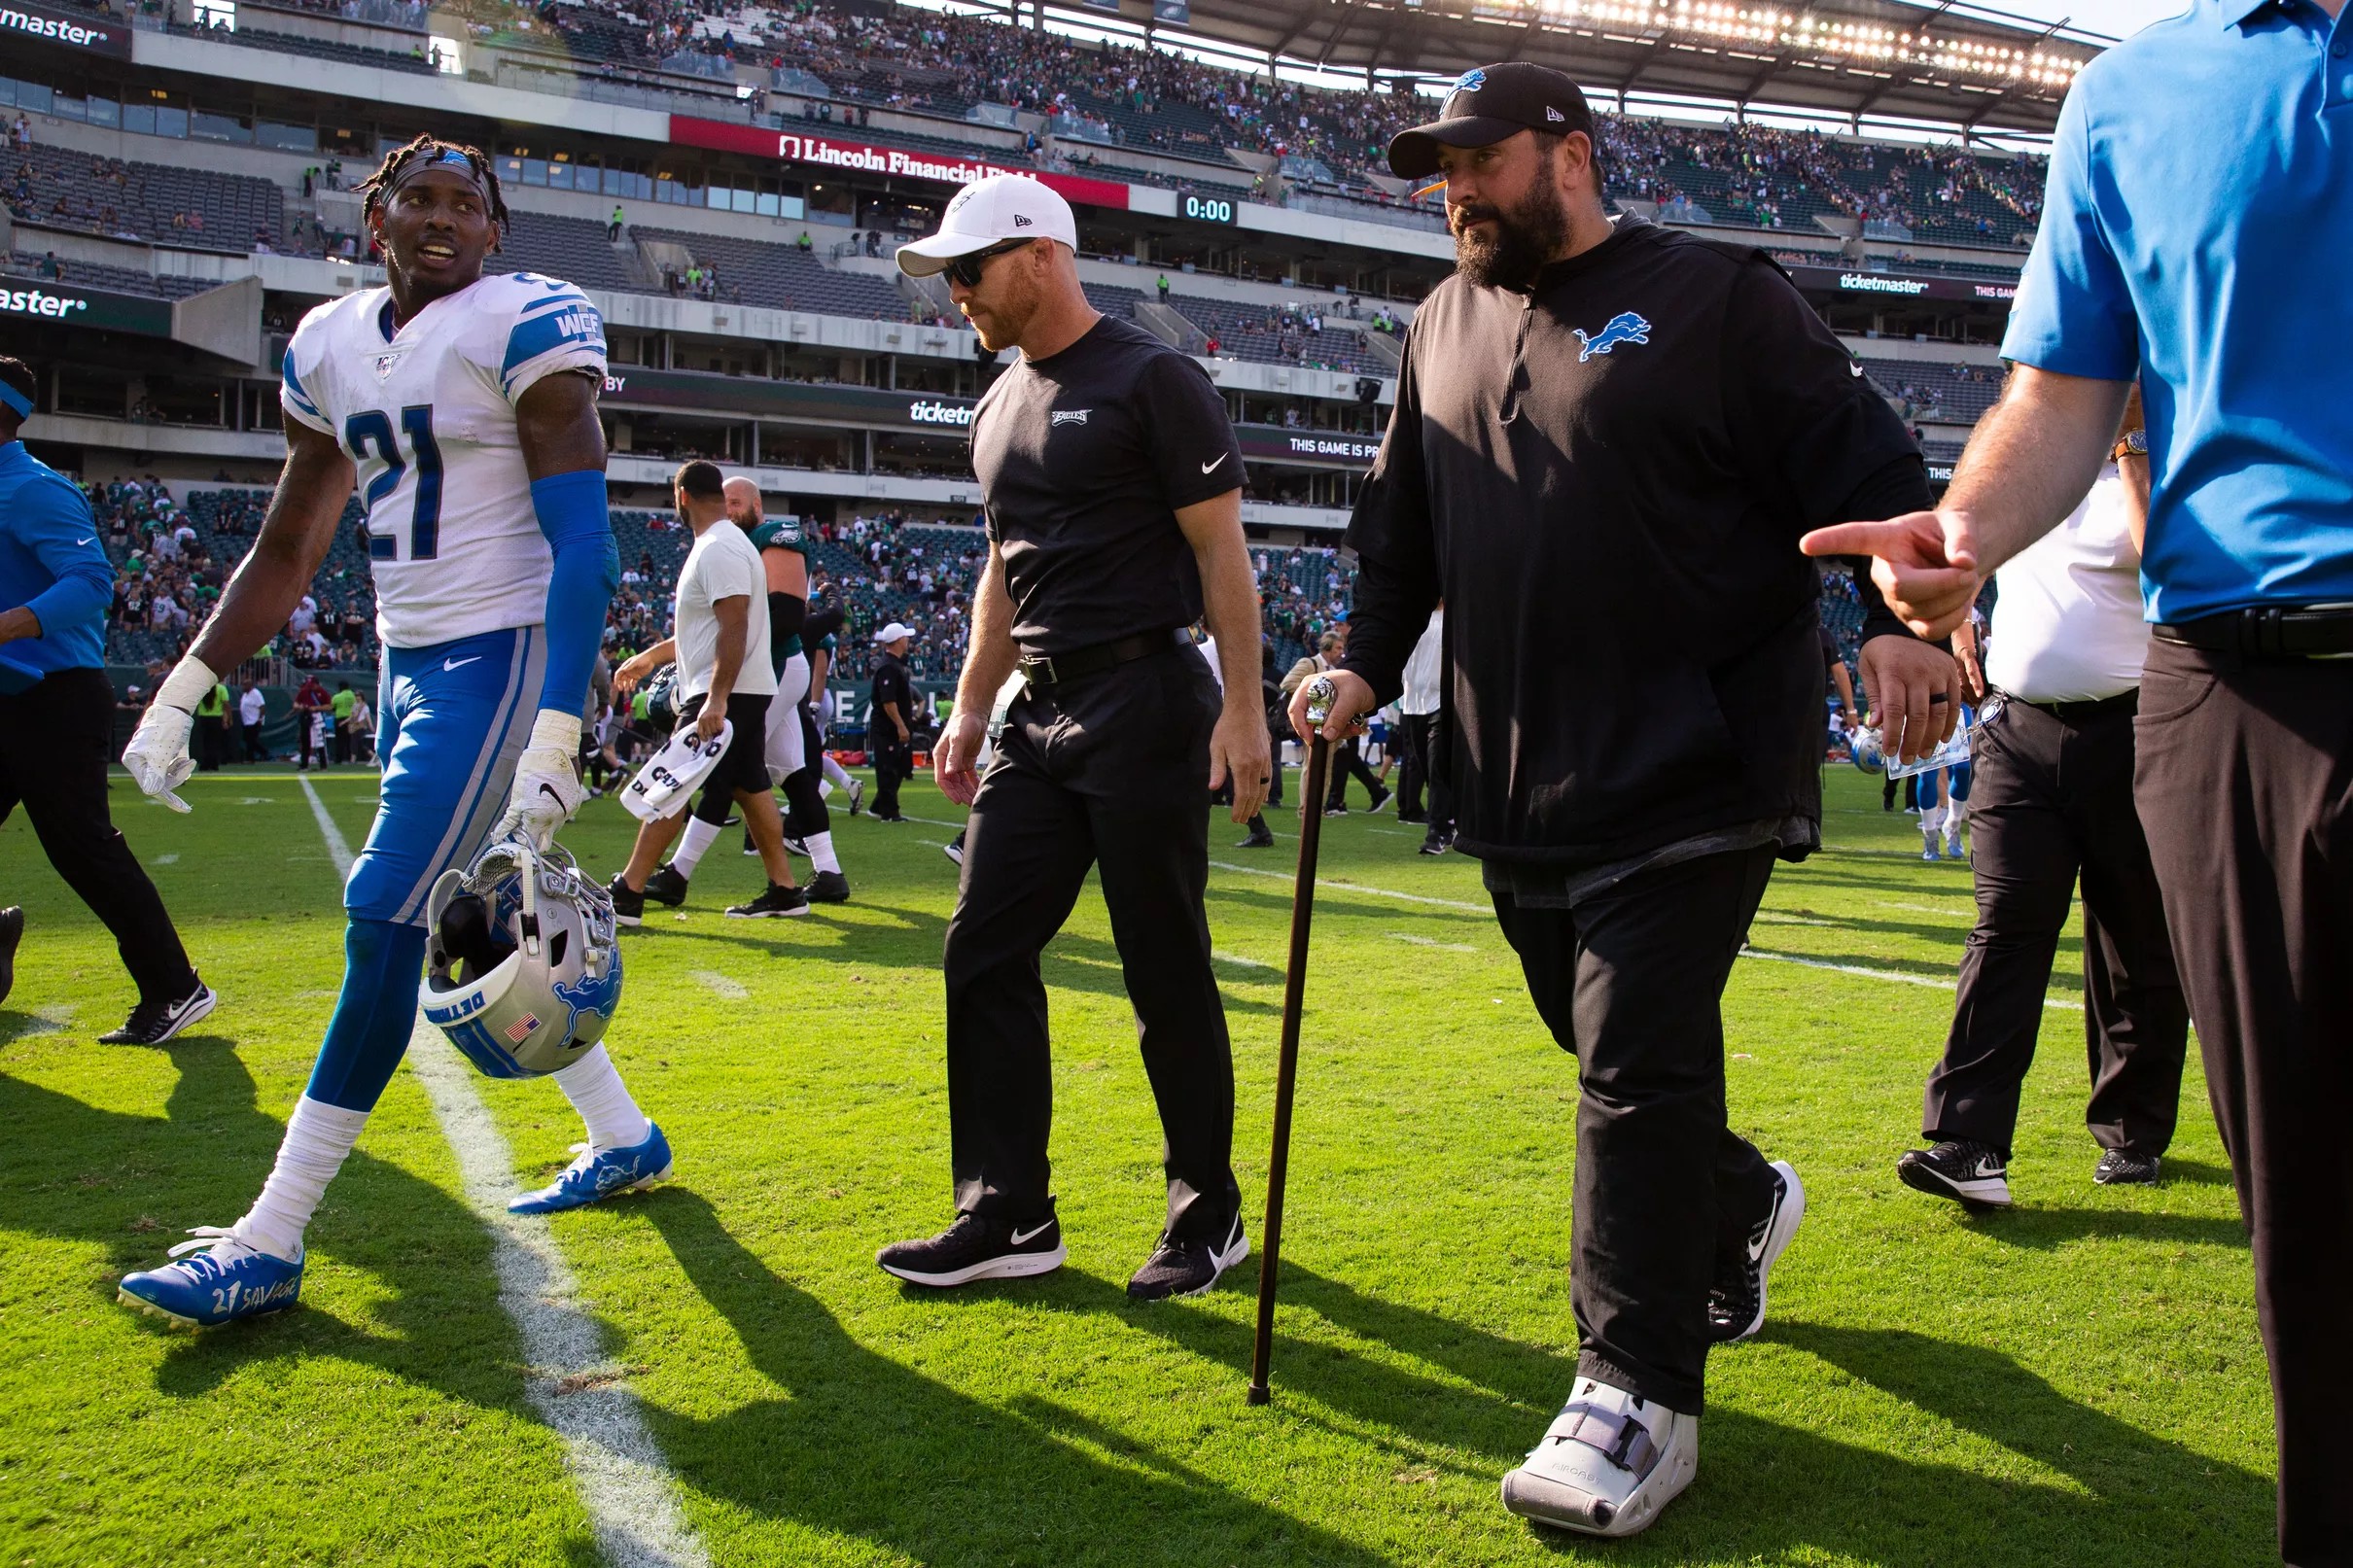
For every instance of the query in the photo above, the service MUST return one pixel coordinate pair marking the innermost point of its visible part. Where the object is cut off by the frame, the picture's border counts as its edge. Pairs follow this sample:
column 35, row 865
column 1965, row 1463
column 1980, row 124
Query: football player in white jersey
column 463, row 410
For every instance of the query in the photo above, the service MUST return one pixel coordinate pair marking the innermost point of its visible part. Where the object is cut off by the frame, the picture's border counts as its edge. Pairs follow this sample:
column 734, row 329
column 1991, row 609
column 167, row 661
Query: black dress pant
column 1631, row 982
column 1420, row 738
column 893, row 765
column 1348, row 762
column 1104, row 770
column 55, row 743
column 2244, row 776
column 2051, row 796
column 254, row 749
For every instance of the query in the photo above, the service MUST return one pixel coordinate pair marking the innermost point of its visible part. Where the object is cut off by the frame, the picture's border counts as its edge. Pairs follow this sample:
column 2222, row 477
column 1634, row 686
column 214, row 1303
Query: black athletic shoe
column 1380, row 799
column 1973, row 1174
column 1434, row 847
column 1187, row 1268
column 1335, row 810
column 858, row 796
column 893, row 818
column 11, row 932
column 1736, row 1303
column 154, row 1023
column 2118, row 1167
column 1260, row 840
column 1418, row 819
column 777, row 900
column 976, row 1247
column 666, row 887
column 628, row 904
column 749, row 847
column 798, row 845
column 828, row 888
column 954, row 848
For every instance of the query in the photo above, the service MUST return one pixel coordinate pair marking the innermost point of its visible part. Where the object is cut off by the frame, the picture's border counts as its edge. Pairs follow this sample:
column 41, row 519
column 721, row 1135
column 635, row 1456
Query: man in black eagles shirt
column 1608, row 438
column 1114, row 488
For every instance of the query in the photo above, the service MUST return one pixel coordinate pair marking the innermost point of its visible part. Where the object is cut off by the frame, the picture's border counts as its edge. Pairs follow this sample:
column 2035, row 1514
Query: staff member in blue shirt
column 57, row 718
column 2171, row 253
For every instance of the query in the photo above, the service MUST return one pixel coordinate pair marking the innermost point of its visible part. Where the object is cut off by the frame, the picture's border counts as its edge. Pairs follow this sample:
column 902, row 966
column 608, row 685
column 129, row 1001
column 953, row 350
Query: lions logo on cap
column 1471, row 81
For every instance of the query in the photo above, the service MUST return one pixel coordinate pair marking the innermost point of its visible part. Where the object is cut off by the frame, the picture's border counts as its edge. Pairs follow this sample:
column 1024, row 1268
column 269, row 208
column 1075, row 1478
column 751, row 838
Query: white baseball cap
column 893, row 633
column 989, row 212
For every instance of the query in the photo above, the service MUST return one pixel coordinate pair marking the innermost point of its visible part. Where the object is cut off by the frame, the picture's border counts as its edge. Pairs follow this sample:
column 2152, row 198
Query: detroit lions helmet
column 1866, row 750
column 523, row 960
column 661, row 699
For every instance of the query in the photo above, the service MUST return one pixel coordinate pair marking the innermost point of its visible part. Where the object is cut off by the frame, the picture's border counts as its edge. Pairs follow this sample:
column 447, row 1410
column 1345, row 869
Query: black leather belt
column 1053, row 668
column 2086, row 711
column 2272, row 632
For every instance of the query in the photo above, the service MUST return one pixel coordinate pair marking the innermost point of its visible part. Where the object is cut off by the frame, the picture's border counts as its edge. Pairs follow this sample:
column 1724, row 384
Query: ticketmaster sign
column 91, row 35
column 69, row 307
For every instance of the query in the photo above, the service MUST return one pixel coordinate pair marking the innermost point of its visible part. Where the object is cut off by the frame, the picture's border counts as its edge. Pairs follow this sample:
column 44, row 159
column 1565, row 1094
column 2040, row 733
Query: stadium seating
column 1240, row 334
column 191, row 208
column 1957, row 393
column 119, row 279
column 573, row 249
column 783, row 278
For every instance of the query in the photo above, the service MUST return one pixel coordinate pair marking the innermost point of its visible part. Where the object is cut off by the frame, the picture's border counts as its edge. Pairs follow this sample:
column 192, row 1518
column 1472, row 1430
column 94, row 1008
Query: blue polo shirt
column 52, row 561
column 2196, row 223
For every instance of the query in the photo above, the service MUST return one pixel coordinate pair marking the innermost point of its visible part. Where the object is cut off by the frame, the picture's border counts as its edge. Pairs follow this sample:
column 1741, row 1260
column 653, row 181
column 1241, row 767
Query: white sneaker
column 1608, row 1463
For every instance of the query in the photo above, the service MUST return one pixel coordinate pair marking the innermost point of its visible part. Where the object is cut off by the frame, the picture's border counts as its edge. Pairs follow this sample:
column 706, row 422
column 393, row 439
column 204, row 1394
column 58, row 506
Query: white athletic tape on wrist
column 557, row 730
column 189, row 683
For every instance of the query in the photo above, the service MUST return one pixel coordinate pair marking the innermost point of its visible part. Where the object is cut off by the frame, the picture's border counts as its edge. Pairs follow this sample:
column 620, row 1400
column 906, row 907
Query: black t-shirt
column 1606, row 476
column 890, row 684
column 1084, row 459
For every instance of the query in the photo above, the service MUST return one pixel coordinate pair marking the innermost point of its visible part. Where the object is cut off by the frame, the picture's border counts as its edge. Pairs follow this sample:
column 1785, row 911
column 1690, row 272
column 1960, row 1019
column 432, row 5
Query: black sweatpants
column 55, row 741
column 1631, row 981
column 1105, row 771
column 2052, row 795
column 893, row 765
column 2244, row 777
column 1420, row 748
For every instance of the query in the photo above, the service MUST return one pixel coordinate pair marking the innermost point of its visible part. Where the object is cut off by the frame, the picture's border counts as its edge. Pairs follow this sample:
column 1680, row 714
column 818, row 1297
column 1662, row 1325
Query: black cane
column 1320, row 698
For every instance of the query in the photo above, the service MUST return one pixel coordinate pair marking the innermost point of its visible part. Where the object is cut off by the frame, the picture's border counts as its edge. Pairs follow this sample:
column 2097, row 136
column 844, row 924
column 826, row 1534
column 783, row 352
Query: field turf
column 2077, row 1381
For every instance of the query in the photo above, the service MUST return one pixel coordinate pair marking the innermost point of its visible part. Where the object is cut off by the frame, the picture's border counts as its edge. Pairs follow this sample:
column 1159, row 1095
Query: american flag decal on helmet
column 520, row 1029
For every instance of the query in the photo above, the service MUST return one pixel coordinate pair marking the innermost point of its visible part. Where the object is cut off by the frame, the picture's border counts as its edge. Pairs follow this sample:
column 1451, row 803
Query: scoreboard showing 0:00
column 1209, row 209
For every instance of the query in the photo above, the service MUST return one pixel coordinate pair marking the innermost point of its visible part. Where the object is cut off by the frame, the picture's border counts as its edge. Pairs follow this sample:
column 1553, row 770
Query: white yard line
column 1238, row 959
column 1929, row 909
column 1431, row 942
column 1357, row 887
column 623, row 1481
column 719, row 985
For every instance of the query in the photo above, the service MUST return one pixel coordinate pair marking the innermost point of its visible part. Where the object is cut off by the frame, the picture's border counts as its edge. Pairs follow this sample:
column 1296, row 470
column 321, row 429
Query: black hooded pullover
column 1605, row 477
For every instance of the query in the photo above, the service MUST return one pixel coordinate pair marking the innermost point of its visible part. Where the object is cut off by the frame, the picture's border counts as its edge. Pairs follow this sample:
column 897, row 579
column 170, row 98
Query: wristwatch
column 2135, row 443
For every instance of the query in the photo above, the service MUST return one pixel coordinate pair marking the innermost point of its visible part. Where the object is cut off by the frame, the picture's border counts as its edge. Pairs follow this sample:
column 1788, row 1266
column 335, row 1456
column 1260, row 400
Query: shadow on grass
column 2039, row 1228
column 861, row 1446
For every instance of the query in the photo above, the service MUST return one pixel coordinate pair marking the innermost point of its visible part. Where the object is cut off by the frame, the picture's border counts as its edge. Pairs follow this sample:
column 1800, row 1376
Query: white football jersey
column 428, row 414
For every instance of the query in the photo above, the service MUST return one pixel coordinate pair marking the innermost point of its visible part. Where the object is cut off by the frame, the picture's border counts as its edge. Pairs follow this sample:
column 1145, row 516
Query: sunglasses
column 965, row 270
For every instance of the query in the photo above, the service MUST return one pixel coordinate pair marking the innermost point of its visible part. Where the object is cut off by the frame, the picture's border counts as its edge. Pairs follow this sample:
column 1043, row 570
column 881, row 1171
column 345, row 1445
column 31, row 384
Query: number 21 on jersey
column 386, row 538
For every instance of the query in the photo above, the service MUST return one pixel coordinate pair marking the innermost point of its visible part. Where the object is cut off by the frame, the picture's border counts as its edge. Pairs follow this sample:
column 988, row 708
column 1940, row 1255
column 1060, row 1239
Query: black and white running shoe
column 1735, row 1304
column 11, row 932
column 1972, row 1174
column 828, row 888
column 1187, row 1268
column 154, row 1023
column 666, row 887
column 976, row 1247
column 778, row 900
column 954, row 848
column 2121, row 1168
column 797, row 844
column 628, row 904
column 858, row 796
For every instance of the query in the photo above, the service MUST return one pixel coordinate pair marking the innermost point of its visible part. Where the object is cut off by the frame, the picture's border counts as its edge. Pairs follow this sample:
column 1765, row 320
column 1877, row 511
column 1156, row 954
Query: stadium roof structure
column 1947, row 64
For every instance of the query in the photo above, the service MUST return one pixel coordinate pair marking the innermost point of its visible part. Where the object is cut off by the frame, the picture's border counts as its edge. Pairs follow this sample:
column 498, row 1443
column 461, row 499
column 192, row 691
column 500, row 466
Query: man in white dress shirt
column 2052, row 797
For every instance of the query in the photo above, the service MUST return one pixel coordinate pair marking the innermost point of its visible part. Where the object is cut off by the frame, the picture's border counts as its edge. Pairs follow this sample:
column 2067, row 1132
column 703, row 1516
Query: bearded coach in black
column 1112, row 485
column 1608, row 438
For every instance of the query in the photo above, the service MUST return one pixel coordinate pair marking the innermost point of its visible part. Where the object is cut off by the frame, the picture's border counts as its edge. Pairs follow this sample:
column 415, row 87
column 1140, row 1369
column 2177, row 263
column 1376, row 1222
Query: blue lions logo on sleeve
column 1624, row 328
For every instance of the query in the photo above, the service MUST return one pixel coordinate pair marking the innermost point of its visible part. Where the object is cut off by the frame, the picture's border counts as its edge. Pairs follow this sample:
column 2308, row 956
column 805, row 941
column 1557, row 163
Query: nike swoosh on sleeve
column 92, row 540
column 1211, row 467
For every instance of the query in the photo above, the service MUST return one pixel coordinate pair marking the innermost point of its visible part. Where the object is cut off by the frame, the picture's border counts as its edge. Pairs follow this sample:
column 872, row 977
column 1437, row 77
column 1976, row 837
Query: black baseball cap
column 1489, row 103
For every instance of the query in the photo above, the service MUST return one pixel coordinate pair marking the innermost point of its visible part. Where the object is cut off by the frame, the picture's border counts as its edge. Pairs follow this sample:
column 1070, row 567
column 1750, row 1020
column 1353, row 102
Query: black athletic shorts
column 745, row 766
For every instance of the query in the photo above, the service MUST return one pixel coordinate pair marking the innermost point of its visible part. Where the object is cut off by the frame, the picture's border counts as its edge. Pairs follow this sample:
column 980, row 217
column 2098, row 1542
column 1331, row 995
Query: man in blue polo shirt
column 57, row 718
column 2210, row 263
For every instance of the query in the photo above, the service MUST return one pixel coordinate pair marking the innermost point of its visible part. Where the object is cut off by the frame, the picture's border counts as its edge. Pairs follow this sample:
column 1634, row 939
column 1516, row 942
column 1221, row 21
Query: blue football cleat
column 223, row 1282
column 593, row 1176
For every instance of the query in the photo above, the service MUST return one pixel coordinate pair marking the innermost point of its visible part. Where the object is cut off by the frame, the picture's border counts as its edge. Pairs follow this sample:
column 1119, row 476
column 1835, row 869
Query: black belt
column 2086, row 711
column 1053, row 668
column 2272, row 632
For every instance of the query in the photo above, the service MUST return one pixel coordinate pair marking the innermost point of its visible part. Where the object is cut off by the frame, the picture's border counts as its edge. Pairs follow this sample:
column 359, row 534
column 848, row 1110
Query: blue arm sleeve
column 54, row 524
column 570, row 510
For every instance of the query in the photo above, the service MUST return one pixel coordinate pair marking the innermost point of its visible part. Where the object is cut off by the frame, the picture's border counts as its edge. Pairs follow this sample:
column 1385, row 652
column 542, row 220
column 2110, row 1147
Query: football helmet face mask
column 523, row 960
column 661, row 699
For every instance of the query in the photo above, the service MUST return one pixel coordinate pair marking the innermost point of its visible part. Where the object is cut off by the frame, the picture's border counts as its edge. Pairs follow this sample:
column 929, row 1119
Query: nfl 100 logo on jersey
column 426, row 412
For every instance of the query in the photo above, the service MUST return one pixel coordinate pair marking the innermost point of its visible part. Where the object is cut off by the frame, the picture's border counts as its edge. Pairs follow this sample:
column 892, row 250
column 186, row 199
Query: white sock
column 698, row 837
column 834, row 772
column 595, row 1088
column 317, row 1136
column 820, row 851
column 825, row 787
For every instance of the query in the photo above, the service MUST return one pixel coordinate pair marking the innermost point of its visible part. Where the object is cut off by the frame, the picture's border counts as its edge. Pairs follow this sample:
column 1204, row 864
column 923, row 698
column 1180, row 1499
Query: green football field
column 2074, row 1381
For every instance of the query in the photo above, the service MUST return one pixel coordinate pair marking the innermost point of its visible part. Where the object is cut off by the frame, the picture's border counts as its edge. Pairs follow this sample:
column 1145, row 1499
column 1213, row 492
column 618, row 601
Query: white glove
column 156, row 756
column 547, row 786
